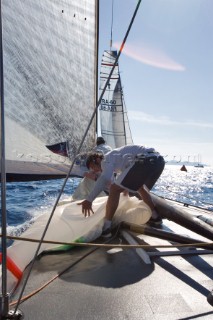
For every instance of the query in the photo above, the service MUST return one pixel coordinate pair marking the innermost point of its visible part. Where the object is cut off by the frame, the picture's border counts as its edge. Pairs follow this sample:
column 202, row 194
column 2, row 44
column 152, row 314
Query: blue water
column 28, row 200
column 193, row 187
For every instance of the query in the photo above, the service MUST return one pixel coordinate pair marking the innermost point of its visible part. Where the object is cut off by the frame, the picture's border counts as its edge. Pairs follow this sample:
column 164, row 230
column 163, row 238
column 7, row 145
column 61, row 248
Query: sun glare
column 149, row 56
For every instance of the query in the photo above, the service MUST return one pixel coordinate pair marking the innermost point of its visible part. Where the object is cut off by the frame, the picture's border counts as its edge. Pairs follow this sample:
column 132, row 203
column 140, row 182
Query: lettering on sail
column 108, row 105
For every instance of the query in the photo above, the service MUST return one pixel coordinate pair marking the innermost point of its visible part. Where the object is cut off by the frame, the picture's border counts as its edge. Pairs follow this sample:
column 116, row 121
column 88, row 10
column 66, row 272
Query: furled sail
column 50, row 64
column 113, row 114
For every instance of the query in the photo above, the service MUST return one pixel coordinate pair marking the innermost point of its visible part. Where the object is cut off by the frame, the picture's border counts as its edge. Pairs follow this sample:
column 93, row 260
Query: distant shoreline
column 186, row 163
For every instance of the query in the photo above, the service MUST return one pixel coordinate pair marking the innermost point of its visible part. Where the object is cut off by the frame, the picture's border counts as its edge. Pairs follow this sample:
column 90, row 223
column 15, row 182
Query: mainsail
column 113, row 114
column 50, row 66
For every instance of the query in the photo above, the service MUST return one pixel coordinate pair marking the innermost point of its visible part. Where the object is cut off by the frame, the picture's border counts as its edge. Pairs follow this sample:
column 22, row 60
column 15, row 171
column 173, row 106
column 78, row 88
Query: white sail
column 113, row 114
column 50, row 59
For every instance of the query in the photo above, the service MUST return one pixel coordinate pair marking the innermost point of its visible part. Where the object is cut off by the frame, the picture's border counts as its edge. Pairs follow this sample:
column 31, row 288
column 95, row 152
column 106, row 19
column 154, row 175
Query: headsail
column 50, row 83
column 113, row 114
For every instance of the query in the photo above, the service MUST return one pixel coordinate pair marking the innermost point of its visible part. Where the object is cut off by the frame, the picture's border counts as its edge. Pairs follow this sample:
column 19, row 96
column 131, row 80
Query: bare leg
column 144, row 193
column 113, row 200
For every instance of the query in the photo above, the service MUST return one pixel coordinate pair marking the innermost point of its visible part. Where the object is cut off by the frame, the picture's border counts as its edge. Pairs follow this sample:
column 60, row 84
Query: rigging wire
column 77, row 152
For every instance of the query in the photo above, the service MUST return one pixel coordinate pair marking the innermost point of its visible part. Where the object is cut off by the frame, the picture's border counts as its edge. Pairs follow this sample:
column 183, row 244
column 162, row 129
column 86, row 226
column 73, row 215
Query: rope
column 104, row 245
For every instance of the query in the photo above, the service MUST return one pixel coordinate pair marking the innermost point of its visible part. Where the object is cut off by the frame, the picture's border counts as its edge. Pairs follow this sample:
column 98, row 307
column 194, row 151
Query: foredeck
column 114, row 283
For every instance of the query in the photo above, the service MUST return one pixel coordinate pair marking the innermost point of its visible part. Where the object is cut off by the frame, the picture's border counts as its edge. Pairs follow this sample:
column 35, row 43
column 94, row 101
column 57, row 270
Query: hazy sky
column 167, row 72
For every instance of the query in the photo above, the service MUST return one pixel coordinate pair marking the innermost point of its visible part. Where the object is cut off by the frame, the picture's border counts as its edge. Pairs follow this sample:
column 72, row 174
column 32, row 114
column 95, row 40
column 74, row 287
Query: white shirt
column 116, row 161
column 104, row 148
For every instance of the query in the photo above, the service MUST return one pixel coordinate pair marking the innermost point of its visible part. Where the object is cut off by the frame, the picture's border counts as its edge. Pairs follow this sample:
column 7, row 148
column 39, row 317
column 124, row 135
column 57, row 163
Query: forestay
column 50, row 62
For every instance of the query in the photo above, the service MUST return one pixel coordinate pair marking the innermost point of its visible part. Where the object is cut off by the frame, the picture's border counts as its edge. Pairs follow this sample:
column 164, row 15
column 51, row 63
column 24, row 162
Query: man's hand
column 86, row 207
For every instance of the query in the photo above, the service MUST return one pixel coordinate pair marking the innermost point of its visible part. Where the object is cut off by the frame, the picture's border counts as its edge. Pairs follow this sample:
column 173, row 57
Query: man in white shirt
column 139, row 168
column 101, row 146
column 86, row 184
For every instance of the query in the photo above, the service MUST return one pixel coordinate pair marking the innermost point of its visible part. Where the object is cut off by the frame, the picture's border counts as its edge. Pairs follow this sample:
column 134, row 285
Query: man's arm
column 100, row 185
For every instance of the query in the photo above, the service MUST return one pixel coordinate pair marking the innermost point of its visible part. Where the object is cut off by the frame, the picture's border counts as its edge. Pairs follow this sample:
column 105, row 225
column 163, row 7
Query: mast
column 122, row 102
column 97, row 70
column 111, row 26
column 122, row 97
column 4, row 297
column 4, row 294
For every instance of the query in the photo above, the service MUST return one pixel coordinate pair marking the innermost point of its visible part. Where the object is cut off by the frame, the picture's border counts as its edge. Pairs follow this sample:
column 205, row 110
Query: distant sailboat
column 199, row 163
column 114, row 121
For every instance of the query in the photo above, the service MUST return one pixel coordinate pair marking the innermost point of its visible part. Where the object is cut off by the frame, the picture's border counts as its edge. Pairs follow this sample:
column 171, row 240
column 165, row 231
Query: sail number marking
column 108, row 105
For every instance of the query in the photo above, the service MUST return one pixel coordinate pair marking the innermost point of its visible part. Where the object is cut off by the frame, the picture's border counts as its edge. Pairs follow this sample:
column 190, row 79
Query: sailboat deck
column 114, row 283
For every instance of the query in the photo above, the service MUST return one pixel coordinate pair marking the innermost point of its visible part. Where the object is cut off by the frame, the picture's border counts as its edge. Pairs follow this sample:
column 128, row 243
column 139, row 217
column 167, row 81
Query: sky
column 167, row 73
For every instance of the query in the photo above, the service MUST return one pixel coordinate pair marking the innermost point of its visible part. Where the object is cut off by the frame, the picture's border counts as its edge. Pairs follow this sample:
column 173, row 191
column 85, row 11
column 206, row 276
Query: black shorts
column 142, row 171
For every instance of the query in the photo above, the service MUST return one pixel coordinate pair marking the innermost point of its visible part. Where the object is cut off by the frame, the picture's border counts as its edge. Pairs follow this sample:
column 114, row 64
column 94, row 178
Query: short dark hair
column 92, row 157
column 100, row 140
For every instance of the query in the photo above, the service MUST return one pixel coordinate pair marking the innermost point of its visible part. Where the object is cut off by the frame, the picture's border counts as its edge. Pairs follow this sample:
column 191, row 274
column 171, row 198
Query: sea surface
column 27, row 200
